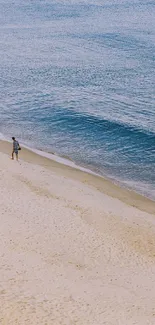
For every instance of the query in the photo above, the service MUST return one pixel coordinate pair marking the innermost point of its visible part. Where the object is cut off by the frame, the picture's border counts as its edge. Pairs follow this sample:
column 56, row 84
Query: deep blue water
column 78, row 79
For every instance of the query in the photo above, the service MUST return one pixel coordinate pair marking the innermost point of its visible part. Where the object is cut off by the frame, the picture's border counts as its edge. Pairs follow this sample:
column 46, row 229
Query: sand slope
column 71, row 254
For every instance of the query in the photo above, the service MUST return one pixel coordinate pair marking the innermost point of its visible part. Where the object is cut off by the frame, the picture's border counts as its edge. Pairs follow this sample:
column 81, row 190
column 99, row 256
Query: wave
column 76, row 119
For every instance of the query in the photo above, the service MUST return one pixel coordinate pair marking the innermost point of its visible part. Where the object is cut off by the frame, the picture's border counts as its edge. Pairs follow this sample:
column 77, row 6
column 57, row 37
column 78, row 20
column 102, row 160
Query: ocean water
column 78, row 78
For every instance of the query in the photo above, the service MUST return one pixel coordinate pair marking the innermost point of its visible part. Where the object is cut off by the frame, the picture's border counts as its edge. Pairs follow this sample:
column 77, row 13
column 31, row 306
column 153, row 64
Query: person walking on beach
column 16, row 148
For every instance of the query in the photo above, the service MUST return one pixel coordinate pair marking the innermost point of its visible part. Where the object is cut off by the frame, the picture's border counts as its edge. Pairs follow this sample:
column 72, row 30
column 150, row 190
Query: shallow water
column 78, row 79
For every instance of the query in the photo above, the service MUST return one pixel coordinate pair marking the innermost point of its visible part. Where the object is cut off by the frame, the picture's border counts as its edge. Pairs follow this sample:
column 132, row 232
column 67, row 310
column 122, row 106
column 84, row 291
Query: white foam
column 61, row 160
column 2, row 137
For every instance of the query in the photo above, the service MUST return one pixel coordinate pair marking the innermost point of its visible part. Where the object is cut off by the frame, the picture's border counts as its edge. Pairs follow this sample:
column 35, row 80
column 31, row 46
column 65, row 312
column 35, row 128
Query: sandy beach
column 75, row 248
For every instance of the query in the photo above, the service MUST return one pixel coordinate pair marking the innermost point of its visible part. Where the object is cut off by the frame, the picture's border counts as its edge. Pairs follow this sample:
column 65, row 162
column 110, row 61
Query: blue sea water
column 78, row 78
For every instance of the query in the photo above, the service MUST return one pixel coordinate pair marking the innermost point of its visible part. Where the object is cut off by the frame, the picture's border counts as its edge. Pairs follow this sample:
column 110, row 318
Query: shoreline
column 72, row 171
column 68, row 161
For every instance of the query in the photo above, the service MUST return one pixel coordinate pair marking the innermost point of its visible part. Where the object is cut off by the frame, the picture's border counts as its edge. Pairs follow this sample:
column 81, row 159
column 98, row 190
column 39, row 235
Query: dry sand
column 75, row 249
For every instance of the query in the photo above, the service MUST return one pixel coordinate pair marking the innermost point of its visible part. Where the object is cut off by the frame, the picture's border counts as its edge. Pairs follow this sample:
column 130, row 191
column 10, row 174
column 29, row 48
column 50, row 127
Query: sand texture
column 71, row 254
